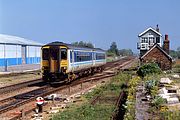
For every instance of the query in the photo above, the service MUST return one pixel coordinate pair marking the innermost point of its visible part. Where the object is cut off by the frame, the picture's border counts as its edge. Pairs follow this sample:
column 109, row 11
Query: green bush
column 157, row 102
column 150, row 84
column 150, row 68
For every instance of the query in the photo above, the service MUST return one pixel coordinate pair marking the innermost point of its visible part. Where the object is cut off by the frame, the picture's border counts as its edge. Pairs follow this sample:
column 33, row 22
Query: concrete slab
column 165, row 81
column 175, row 76
column 172, row 100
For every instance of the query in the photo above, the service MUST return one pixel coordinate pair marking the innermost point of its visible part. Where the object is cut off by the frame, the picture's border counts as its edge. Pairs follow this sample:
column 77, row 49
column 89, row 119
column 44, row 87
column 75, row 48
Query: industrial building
column 18, row 51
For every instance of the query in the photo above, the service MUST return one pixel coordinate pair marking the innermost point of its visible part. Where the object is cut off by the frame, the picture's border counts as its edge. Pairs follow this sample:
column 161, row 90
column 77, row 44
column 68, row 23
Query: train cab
column 54, row 62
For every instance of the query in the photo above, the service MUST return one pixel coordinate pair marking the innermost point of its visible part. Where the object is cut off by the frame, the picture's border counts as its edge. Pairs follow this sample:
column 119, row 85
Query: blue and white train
column 65, row 62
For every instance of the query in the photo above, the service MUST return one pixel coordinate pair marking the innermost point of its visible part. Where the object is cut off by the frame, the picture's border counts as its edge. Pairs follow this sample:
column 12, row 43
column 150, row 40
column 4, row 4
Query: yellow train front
column 63, row 62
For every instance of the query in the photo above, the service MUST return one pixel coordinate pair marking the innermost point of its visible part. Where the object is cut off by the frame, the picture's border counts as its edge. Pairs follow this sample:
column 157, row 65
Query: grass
column 177, row 62
column 86, row 112
column 131, row 99
column 176, row 66
column 170, row 115
column 104, row 107
column 110, row 59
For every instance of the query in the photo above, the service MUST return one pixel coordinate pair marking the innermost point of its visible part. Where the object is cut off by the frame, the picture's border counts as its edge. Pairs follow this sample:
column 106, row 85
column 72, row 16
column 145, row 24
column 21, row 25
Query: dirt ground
column 15, row 78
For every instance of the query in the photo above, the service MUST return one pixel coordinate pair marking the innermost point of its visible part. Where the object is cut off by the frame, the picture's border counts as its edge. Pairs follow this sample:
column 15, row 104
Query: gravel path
column 141, row 105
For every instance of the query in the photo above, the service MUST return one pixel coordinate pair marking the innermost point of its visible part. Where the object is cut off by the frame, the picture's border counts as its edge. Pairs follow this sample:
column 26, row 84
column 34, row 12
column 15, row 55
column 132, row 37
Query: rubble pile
column 170, row 93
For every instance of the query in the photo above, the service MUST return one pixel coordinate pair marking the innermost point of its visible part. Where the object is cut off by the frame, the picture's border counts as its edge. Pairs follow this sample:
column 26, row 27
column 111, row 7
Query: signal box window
column 45, row 54
column 64, row 53
column 157, row 39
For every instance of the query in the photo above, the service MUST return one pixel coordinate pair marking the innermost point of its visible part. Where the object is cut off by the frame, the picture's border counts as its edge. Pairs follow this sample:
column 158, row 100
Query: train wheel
column 69, row 77
column 101, row 69
column 45, row 78
column 92, row 71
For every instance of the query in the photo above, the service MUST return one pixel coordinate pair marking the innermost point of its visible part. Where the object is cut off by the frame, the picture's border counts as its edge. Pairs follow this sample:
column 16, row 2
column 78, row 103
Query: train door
column 54, row 59
column 63, row 59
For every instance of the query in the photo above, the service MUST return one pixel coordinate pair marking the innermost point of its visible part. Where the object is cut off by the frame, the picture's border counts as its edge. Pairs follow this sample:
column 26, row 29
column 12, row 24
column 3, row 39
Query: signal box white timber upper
column 148, row 38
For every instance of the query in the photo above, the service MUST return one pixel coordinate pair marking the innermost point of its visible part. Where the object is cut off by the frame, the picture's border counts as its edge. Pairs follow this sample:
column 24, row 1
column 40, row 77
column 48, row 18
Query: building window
column 157, row 39
column 143, row 46
column 144, row 40
column 151, row 40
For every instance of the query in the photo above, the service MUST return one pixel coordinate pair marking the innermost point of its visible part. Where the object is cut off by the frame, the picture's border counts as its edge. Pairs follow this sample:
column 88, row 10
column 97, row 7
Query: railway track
column 10, row 88
column 119, row 113
column 21, row 99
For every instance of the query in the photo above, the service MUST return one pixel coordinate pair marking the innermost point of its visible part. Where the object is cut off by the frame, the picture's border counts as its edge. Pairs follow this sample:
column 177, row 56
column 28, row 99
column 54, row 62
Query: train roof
column 57, row 43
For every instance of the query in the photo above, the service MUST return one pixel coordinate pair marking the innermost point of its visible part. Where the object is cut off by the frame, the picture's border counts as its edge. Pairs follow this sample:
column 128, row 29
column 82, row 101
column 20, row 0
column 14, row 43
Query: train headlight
column 63, row 69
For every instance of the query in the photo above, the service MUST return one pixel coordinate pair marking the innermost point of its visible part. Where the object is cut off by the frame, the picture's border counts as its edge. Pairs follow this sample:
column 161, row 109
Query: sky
column 100, row 22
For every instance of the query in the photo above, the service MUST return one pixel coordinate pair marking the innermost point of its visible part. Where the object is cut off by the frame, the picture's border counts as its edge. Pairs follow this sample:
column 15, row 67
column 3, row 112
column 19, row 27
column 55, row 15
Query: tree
column 126, row 52
column 178, row 52
column 114, row 49
column 173, row 53
column 75, row 43
column 178, row 49
column 90, row 45
column 83, row 44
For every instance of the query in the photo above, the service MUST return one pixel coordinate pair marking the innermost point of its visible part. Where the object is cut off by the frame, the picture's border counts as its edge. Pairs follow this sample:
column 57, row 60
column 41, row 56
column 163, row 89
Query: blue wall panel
column 2, row 62
column 33, row 60
column 18, row 61
column 10, row 61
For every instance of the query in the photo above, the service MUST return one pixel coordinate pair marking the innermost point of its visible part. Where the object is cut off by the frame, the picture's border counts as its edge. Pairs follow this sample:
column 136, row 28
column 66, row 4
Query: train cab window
column 45, row 54
column 64, row 53
column 54, row 54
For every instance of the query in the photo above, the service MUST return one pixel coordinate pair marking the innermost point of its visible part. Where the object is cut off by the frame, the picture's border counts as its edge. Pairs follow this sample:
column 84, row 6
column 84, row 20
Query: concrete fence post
column 6, row 65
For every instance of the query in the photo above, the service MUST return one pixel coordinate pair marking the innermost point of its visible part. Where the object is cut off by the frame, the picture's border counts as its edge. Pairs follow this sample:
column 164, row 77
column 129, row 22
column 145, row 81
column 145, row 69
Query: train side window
column 100, row 56
column 64, row 53
column 45, row 54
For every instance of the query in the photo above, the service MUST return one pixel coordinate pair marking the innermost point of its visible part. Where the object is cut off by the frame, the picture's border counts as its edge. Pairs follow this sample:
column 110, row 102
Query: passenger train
column 63, row 62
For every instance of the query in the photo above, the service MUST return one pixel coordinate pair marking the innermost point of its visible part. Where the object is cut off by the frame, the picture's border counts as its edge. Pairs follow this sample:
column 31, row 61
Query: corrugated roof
column 14, row 40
